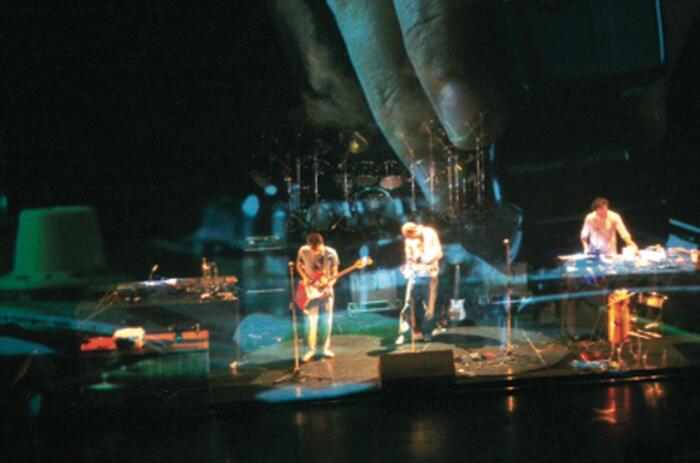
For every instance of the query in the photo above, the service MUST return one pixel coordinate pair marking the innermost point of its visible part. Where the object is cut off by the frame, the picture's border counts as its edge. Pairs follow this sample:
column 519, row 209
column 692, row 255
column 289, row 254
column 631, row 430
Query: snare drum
column 321, row 216
column 365, row 174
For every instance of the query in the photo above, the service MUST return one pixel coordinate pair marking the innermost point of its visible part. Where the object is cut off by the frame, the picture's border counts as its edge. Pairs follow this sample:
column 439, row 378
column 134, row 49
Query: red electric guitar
column 320, row 286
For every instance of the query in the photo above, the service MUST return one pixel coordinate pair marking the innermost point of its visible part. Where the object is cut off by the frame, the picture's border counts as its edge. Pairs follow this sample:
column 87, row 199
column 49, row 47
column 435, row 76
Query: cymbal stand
column 296, row 375
column 291, row 200
column 450, row 185
column 413, row 189
column 431, row 167
column 479, row 176
column 298, row 199
column 348, row 208
column 290, row 194
column 295, row 219
column 316, row 168
column 412, row 170
column 453, row 183
column 431, row 181
column 346, row 181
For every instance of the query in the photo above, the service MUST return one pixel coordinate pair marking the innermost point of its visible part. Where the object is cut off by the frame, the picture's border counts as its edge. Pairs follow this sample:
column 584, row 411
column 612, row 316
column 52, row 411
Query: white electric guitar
column 416, row 269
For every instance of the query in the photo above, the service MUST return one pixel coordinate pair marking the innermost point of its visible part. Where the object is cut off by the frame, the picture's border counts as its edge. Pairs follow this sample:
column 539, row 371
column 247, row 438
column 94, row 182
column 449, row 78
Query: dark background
column 144, row 110
column 148, row 111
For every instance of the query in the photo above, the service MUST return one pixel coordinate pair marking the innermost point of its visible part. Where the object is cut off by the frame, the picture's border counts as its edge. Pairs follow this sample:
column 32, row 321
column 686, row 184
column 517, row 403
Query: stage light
column 279, row 218
column 270, row 190
column 251, row 206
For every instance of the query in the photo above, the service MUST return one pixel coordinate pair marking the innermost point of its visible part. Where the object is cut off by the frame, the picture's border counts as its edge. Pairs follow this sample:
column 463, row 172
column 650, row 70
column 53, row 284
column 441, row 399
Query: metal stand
column 317, row 173
column 509, row 332
column 347, row 213
column 511, row 356
column 297, row 374
column 479, row 177
column 298, row 192
column 295, row 219
column 413, row 191
column 408, row 305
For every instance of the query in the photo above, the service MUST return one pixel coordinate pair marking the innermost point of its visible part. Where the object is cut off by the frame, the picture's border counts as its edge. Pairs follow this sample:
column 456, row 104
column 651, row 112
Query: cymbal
column 356, row 142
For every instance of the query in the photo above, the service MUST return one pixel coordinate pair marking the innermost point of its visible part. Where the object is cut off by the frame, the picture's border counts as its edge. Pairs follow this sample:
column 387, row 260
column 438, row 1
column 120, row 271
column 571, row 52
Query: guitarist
column 423, row 253
column 316, row 260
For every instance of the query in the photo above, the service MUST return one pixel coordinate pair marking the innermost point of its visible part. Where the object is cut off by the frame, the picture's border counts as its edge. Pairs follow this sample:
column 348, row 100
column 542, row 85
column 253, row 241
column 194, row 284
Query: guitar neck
column 455, row 289
column 338, row 276
column 342, row 273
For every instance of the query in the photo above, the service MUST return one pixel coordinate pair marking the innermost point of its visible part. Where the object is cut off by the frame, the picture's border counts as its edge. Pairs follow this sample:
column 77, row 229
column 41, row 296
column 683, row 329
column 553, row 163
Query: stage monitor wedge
column 410, row 371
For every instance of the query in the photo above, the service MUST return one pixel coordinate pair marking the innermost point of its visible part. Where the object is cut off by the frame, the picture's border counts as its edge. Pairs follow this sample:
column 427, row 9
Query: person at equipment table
column 315, row 259
column 423, row 253
column 600, row 229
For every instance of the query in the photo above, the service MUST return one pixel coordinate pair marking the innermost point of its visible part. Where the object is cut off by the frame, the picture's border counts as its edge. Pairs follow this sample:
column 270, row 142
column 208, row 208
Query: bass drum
column 321, row 216
column 374, row 209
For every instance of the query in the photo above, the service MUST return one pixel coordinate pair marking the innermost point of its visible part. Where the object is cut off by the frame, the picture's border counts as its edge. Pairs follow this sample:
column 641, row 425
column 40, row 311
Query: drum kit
column 365, row 185
column 371, row 189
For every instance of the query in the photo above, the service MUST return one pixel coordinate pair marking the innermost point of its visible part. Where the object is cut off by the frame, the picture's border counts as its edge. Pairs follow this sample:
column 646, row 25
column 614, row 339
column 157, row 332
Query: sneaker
column 438, row 330
column 308, row 356
column 327, row 353
column 400, row 340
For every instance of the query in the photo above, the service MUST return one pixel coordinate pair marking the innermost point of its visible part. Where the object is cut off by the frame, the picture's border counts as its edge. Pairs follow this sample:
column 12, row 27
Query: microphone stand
column 509, row 331
column 408, row 303
column 296, row 375
column 510, row 356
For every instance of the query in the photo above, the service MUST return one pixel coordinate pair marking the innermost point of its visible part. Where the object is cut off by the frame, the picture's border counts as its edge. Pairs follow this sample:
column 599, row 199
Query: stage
column 478, row 356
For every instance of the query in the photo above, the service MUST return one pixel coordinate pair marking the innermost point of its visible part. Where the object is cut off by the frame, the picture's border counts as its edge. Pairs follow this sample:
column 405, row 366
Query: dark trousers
column 424, row 301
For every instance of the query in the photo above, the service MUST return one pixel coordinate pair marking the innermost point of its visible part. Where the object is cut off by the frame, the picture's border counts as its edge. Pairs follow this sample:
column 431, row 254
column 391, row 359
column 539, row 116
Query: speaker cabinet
column 373, row 290
column 410, row 370
column 265, row 276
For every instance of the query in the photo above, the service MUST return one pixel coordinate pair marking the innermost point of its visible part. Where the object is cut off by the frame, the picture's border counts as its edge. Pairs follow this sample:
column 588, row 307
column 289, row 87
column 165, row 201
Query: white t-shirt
column 424, row 251
column 601, row 233
column 312, row 264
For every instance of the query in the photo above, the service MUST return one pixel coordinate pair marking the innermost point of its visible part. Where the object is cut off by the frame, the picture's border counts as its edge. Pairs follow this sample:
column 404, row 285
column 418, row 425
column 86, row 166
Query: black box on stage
column 264, row 263
column 397, row 371
column 272, row 301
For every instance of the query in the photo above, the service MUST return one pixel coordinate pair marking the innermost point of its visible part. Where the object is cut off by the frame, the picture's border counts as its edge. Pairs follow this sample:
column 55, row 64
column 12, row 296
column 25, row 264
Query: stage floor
column 253, row 361
column 480, row 356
